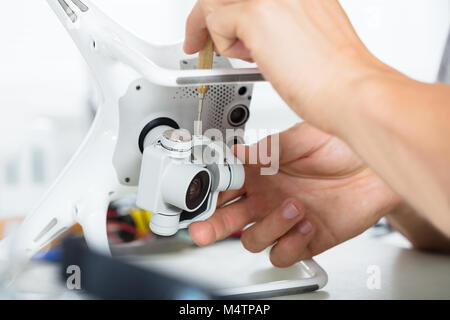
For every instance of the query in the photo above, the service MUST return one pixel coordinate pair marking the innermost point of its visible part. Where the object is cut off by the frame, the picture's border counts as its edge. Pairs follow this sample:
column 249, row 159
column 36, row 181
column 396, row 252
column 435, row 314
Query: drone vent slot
column 47, row 229
column 70, row 13
column 56, row 234
column 80, row 5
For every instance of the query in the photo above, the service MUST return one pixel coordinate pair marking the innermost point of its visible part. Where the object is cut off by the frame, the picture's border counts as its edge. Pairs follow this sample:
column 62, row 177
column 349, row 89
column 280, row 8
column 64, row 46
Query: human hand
column 323, row 195
column 422, row 234
column 307, row 49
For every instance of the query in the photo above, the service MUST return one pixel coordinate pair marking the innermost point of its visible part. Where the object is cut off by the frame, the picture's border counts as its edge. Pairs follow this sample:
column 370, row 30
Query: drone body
column 138, row 83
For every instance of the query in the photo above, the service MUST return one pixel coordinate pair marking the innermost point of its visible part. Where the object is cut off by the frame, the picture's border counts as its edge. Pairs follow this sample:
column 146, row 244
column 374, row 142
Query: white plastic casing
column 168, row 167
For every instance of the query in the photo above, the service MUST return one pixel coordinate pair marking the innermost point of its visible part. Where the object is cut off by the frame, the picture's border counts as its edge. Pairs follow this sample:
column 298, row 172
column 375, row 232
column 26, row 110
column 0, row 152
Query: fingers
column 297, row 142
column 223, row 25
column 238, row 51
column 294, row 246
column 287, row 226
column 196, row 31
column 267, row 231
column 222, row 224
column 300, row 141
column 196, row 28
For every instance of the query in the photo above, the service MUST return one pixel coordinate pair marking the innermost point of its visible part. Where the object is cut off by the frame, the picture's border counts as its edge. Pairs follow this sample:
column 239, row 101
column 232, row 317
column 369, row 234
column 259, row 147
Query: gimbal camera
column 182, row 176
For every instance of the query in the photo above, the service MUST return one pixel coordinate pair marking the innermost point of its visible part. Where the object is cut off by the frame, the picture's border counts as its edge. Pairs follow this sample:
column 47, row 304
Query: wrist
column 392, row 205
column 417, row 230
column 363, row 98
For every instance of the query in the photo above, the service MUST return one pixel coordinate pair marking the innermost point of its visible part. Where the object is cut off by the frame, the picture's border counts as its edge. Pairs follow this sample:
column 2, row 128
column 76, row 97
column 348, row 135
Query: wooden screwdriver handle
column 205, row 61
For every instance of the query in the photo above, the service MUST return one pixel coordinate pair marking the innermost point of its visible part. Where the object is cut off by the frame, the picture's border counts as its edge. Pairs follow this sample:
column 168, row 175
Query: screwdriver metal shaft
column 205, row 62
column 198, row 128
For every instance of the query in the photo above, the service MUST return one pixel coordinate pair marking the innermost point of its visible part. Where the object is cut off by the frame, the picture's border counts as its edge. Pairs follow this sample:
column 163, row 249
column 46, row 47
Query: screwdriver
column 205, row 62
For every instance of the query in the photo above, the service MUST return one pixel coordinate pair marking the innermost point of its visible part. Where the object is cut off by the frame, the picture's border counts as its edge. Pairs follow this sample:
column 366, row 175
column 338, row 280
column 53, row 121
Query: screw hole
column 127, row 180
column 138, row 88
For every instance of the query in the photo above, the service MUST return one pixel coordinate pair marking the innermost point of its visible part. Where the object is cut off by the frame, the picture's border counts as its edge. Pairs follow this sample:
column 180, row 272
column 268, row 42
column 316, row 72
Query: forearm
column 419, row 231
column 400, row 127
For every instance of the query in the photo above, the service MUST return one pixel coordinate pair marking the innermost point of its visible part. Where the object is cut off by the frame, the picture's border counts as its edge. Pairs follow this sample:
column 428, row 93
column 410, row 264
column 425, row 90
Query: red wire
column 123, row 227
column 237, row 234
column 114, row 238
column 130, row 229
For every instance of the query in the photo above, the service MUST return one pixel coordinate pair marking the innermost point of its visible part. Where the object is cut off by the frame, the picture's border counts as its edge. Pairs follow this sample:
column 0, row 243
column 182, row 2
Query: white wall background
column 44, row 85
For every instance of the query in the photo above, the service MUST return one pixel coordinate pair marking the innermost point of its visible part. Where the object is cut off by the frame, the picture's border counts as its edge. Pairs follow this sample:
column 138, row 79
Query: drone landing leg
column 81, row 194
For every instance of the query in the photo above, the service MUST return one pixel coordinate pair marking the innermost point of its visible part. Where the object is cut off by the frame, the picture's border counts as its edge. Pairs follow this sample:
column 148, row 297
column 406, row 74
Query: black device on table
column 114, row 279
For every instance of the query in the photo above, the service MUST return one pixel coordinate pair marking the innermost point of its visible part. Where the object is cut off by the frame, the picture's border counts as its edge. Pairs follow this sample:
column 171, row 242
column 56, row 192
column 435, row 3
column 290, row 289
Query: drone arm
column 86, row 23
column 117, row 49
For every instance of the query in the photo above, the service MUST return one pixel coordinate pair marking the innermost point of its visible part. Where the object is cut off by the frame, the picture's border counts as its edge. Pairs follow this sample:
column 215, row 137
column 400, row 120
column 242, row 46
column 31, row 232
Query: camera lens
column 238, row 115
column 194, row 189
column 197, row 190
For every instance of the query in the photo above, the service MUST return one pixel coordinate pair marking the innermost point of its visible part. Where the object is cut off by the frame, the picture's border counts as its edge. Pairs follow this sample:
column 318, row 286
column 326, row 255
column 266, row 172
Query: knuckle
column 208, row 5
column 280, row 259
column 249, row 244
column 285, row 254
column 227, row 224
column 261, row 8
column 221, row 48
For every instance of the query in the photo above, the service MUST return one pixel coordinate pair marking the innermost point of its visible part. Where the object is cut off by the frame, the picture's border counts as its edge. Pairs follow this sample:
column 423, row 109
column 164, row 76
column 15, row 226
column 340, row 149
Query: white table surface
column 405, row 273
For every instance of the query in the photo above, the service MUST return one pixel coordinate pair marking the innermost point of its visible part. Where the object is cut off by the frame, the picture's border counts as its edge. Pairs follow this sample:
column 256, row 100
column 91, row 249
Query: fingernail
column 305, row 227
column 290, row 211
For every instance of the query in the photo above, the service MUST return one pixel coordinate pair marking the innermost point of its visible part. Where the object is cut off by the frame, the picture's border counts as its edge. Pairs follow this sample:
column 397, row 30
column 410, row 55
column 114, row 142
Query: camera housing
column 181, row 178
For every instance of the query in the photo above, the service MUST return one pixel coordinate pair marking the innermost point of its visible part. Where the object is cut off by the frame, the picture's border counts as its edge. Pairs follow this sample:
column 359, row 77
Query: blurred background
column 47, row 100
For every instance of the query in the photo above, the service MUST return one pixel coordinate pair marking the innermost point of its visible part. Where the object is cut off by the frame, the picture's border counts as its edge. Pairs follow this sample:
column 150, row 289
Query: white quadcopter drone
column 142, row 138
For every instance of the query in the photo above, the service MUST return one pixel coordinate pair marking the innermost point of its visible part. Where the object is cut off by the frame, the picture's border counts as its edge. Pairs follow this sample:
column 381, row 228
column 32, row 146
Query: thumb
column 262, row 154
column 295, row 143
